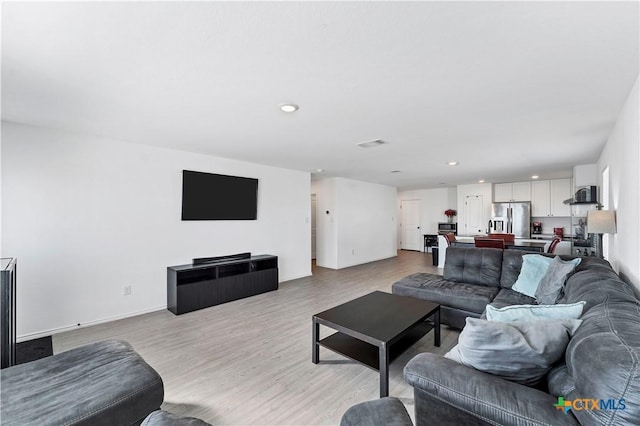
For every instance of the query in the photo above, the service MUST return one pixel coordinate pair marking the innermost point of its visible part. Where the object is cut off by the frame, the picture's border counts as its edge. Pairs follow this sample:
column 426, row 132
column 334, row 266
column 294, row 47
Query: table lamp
column 601, row 222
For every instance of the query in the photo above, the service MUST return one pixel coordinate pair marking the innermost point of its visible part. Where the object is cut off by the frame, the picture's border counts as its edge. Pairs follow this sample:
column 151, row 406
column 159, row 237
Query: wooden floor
column 249, row 361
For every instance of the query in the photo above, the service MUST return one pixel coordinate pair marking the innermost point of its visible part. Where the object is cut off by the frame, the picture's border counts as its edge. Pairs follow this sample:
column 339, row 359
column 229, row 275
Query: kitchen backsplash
column 548, row 223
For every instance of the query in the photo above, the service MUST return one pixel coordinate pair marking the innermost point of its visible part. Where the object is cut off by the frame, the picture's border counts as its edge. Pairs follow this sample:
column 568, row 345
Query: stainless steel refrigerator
column 511, row 218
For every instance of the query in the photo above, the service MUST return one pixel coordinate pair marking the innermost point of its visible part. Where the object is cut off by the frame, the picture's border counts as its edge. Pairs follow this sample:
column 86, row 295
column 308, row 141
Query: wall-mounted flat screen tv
column 208, row 196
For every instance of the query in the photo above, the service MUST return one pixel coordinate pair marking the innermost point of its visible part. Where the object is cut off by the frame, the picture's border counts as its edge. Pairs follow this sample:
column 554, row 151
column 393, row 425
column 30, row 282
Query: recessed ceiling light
column 535, row 177
column 481, row 181
column 320, row 170
column 371, row 144
column 452, row 163
column 289, row 107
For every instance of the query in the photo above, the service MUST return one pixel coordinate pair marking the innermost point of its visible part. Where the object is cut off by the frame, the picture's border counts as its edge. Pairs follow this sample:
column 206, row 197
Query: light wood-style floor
column 249, row 361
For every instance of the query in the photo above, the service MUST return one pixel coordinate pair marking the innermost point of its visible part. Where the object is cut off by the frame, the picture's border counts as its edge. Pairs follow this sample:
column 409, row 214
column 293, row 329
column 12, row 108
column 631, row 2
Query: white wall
column 483, row 189
column 86, row 216
column 360, row 226
column 585, row 175
column 433, row 203
column 622, row 155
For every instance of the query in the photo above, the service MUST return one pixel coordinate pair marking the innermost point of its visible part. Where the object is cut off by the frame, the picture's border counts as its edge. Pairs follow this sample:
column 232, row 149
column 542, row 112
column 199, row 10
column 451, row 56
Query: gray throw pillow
column 519, row 351
column 550, row 288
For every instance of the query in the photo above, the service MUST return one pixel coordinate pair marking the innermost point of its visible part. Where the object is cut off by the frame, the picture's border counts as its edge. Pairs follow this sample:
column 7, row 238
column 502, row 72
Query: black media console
column 219, row 280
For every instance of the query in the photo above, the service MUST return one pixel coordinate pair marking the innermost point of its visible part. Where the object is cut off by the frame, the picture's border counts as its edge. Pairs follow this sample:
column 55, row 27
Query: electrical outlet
column 126, row 290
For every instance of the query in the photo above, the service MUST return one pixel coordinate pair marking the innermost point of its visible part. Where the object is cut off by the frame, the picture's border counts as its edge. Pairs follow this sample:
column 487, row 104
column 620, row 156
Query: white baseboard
column 52, row 331
column 349, row 265
column 295, row 277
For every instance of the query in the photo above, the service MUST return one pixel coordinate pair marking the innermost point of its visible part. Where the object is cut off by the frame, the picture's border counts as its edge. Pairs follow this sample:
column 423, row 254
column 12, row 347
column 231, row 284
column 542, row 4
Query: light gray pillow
column 551, row 285
column 519, row 351
column 535, row 312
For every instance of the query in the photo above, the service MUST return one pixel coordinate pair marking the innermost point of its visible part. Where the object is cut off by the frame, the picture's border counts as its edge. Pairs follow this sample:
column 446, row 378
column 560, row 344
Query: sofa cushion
column 506, row 297
column 534, row 312
column 519, row 351
column 480, row 266
column 164, row 418
column 435, row 288
column 511, row 265
column 596, row 285
column 383, row 411
column 559, row 382
column 104, row 383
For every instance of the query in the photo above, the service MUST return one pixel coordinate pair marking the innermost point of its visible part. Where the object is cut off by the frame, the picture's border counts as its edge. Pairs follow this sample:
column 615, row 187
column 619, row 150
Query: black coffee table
column 375, row 329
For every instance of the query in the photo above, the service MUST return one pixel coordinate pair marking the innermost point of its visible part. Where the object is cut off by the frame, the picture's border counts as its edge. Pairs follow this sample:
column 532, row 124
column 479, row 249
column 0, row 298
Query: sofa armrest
column 164, row 418
column 383, row 411
column 488, row 398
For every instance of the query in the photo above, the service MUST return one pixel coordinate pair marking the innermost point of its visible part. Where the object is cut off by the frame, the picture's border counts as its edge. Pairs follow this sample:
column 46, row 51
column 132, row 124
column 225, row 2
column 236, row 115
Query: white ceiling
column 508, row 89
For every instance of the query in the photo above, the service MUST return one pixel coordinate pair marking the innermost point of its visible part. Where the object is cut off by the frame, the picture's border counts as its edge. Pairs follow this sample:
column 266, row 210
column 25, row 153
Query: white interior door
column 314, row 205
column 410, row 225
column 474, row 219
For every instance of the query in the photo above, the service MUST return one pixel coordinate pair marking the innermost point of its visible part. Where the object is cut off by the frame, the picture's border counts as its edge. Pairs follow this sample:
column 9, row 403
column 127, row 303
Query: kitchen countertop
column 522, row 243
column 563, row 248
column 464, row 239
column 542, row 236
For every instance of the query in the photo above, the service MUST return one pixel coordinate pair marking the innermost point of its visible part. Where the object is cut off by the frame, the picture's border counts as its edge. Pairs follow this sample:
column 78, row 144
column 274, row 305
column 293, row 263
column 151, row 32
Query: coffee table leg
column 436, row 328
column 315, row 350
column 384, row 370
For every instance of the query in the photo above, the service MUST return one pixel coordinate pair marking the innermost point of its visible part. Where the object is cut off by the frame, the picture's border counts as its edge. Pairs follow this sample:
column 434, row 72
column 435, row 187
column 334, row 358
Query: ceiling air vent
column 371, row 144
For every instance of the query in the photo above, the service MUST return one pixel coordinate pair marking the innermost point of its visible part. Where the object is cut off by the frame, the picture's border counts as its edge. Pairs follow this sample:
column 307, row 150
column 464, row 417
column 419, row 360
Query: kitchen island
column 536, row 246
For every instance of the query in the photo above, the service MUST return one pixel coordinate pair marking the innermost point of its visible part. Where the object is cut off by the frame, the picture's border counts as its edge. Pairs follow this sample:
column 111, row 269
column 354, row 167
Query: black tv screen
column 208, row 196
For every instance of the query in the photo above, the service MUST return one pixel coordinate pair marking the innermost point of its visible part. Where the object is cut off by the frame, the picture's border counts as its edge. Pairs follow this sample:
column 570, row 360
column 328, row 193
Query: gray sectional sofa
column 472, row 279
column 602, row 360
column 104, row 383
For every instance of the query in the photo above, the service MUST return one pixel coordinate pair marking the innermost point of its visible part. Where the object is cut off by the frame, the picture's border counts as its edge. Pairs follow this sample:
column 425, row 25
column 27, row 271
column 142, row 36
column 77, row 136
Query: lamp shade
column 601, row 222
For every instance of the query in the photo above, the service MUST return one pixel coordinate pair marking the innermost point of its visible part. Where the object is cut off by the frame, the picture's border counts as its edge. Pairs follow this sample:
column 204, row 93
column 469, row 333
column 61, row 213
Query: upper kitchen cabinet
column 560, row 192
column 548, row 197
column 516, row 191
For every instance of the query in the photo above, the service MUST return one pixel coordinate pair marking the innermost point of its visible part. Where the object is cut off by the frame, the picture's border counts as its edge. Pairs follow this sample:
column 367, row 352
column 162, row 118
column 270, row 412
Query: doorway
column 314, row 205
column 410, row 225
column 474, row 220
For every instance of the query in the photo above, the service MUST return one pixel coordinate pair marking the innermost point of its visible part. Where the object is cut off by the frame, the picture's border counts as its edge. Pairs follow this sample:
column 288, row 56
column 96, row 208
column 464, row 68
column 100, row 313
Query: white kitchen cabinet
column 502, row 192
column 540, row 198
column 548, row 196
column 560, row 190
column 521, row 191
column 515, row 191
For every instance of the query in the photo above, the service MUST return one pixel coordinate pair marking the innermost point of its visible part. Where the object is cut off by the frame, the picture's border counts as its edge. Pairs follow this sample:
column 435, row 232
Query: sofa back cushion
column 511, row 265
column 473, row 265
column 603, row 356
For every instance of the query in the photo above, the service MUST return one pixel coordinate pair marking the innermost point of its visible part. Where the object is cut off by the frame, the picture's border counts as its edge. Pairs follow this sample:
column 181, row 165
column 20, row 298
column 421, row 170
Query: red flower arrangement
column 450, row 212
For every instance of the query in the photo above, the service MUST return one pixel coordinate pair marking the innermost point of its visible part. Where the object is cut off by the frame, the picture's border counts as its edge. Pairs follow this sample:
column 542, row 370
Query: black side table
column 430, row 240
